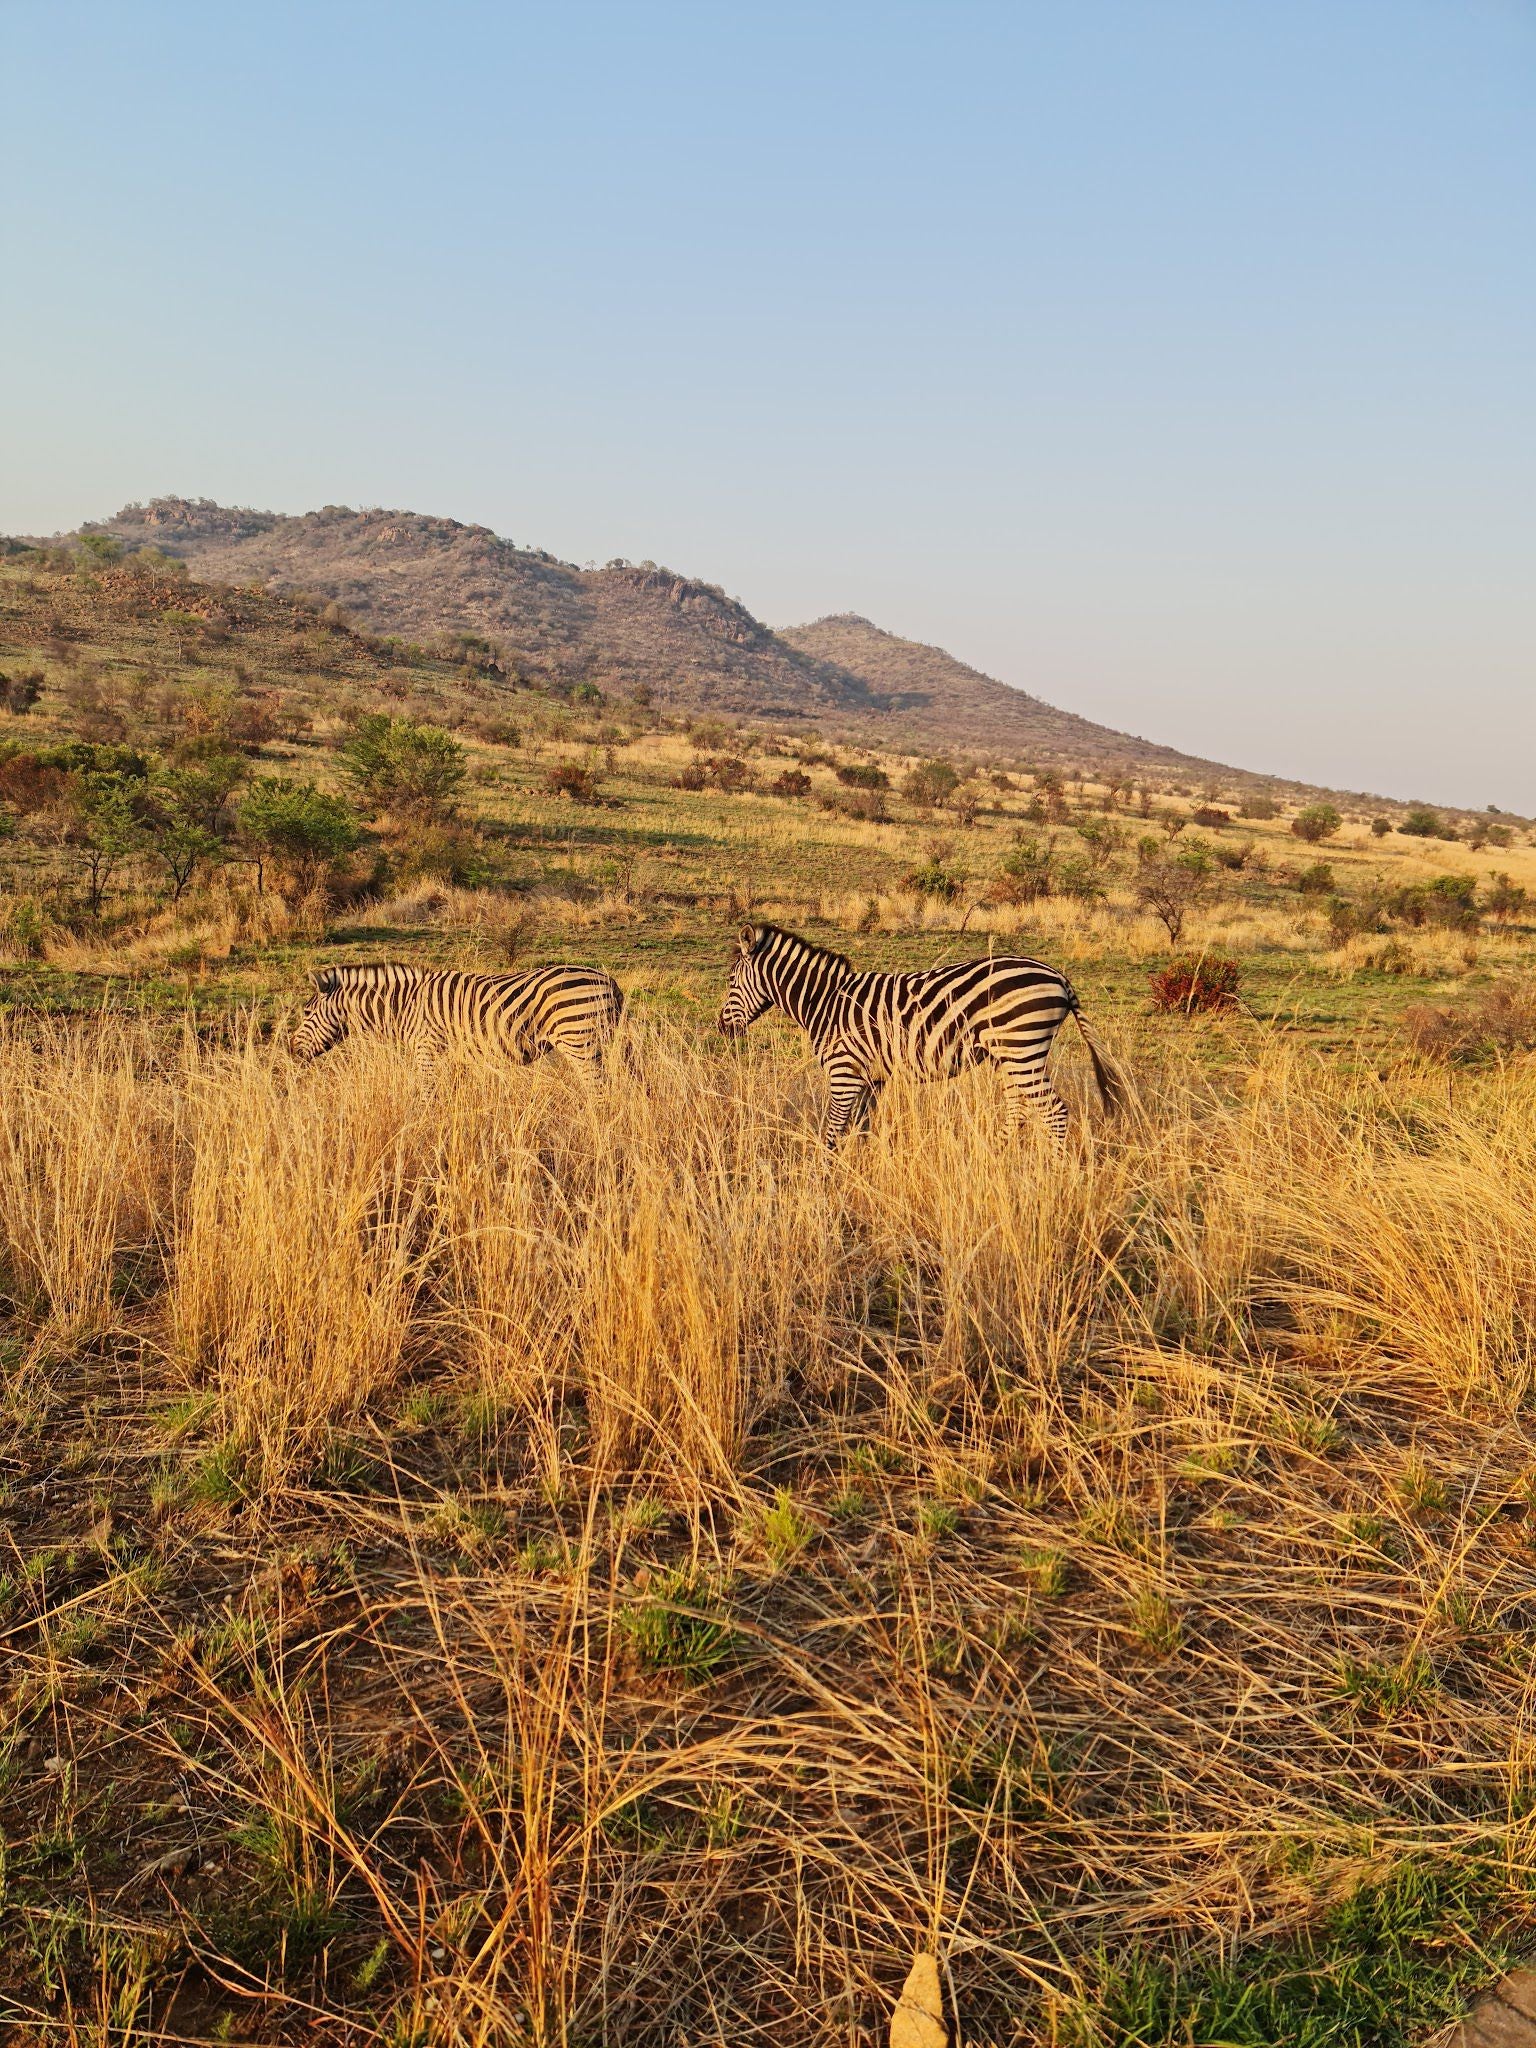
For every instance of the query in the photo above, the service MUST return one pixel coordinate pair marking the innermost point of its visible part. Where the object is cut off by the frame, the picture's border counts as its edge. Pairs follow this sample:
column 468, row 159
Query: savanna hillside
column 509, row 1557
column 630, row 628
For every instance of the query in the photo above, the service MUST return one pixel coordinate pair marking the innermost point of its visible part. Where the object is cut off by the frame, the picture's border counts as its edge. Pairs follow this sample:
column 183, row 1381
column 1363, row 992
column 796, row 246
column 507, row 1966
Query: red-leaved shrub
column 1195, row 982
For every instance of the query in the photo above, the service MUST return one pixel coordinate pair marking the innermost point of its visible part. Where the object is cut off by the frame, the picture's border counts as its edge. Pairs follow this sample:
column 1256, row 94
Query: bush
column 397, row 764
column 297, row 828
column 1316, row 822
column 1347, row 920
column 1196, row 982
column 793, row 782
column 867, row 805
column 1505, row 899
column 1076, row 876
column 930, row 784
column 727, row 774
column 445, row 853
column 1316, row 880
column 1026, row 874
column 571, row 779
column 1422, row 823
column 19, row 693
column 862, row 776
column 1501, row 1022
column 1210, row 817
column 31, row 782
column 933, row 878
column 1449, row 901
column 1380, row 827
column 1103, row 837
column 1233, row 858
column 1258, row 807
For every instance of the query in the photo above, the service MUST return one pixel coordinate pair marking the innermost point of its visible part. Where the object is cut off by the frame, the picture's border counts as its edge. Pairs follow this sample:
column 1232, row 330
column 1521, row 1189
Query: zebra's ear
column 324, row 981
column 749, row 937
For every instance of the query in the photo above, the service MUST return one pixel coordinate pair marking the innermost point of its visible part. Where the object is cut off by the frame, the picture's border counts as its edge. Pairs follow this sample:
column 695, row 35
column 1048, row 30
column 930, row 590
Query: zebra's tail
column 1111, row 1088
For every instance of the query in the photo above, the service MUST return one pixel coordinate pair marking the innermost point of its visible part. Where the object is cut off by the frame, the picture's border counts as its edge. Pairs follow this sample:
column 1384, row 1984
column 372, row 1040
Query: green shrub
column 1422, row 823
column 1316, row 822
column 397, row 764
column 930, row 783
column 933, row 878
column 297, row 828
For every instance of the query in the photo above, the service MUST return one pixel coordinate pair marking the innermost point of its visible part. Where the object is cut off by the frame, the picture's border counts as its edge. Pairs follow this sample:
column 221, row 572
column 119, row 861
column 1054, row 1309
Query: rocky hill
column 624, row 627
column 629, row 628
column 924, row 690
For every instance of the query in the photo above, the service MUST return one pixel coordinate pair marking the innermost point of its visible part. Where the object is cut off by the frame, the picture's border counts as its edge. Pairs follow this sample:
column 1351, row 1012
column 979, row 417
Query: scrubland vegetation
column 515, row 1557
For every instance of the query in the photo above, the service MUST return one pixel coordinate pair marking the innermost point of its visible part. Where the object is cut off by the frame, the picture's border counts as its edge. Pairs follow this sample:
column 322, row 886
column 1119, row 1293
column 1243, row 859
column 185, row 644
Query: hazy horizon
column 1175, row 365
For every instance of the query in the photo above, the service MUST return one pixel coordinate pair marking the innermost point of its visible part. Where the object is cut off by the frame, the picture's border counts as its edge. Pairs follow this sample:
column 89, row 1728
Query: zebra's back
column 573, row 1010
column 947, row 1019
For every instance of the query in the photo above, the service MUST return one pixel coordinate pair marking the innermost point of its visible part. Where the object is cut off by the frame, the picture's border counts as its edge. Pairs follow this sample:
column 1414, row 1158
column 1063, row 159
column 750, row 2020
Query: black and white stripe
column 865, row 1027
column 574, row 1010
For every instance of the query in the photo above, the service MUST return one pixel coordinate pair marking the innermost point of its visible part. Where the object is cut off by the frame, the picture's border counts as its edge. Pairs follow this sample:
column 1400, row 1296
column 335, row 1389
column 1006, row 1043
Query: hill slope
column 626, row 627
column 622, row 627
column 925, row 690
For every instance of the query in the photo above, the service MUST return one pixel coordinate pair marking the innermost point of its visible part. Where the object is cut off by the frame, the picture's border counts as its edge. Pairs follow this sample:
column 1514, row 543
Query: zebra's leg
column 1030, row 1094
column 427, row 1047
column 852, row 1098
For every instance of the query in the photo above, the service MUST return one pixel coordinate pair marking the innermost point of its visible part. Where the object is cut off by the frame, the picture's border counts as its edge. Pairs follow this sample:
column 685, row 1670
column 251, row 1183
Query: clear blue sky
column 1175, row 361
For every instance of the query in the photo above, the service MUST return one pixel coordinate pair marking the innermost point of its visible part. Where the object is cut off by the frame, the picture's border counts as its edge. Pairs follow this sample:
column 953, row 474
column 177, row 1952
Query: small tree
column 1171, row 884
column 103, row 828
column 180, row 834
column 397, row 764
column 1317, row 822
column 1380, row 827
column 1026, row 873
column 297, row 828
column 1103, row 837
column 202, row 787
column 965, row 801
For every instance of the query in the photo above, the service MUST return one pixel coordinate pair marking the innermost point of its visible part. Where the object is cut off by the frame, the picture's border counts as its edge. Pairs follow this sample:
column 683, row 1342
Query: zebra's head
column 749, row 993
column 324, row 1023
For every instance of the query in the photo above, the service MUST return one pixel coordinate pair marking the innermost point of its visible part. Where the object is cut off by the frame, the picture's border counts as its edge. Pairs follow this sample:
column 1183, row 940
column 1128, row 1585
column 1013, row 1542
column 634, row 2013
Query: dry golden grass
column 600, row 1569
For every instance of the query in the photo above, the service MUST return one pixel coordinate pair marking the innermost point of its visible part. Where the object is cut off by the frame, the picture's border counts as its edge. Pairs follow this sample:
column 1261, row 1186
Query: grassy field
column 504, row 1557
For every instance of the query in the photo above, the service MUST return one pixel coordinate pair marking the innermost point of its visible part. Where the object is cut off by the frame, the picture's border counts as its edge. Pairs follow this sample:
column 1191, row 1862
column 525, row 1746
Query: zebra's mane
column 792, row 943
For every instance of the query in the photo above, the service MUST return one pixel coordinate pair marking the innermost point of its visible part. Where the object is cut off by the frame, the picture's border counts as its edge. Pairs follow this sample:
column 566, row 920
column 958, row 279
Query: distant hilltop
column 634, row 626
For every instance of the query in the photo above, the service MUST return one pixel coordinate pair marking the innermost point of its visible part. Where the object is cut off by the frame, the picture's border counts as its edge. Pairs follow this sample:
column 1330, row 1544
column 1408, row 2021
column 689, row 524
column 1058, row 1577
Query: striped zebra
column 574, row 1010
column 864, row 1027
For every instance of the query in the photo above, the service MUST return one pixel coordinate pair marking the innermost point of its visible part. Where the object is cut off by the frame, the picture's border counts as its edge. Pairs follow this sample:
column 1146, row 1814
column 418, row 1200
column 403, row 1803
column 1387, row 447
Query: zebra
column 864, row 1027
column 574, row 1010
